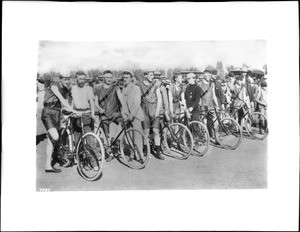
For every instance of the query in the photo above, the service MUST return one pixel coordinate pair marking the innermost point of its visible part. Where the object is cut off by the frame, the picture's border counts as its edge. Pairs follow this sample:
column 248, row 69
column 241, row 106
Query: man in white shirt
column 83, row 100
column 83, row 96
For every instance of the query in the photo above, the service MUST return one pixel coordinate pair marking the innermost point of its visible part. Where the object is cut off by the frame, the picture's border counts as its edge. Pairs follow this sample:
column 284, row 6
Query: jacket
column 132, row 99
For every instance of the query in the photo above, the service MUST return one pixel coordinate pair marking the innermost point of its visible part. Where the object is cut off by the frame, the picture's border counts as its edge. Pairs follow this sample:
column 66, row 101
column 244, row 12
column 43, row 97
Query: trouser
column 209, row 111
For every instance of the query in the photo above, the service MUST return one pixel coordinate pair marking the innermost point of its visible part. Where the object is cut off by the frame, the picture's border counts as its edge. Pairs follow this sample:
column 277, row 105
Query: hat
column 128, row 72
column 148, row 71
column 231, row 74
column 207, row 71
column 107, row 71
column 239, row 77
column 263, row 83
column 79, row 73
column 190, row 75
column 214, row 71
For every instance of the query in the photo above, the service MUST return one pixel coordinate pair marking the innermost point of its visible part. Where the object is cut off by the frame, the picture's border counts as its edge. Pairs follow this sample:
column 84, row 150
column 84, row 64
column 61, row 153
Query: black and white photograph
column 130, row 115
column 150, row 116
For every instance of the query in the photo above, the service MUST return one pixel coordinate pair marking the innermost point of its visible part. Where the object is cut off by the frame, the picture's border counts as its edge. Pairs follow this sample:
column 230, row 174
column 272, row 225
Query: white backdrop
column 25, row 23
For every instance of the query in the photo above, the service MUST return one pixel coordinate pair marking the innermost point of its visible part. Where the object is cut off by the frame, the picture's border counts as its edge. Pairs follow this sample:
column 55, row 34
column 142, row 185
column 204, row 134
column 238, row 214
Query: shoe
column 157, row 153
column 110, row 158
column 54, row 161
column 53, row 170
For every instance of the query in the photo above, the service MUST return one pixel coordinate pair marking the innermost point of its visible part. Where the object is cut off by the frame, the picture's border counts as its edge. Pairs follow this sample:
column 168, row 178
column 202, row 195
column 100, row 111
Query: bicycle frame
column 105, row 122
column 245, row 107
column 165, row 124
column 209, row 125
column 70, row 130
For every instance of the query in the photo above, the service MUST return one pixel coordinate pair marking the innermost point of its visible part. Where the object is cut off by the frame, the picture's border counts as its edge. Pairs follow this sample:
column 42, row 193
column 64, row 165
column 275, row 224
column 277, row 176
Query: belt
column 49, row 104
column 80, row 109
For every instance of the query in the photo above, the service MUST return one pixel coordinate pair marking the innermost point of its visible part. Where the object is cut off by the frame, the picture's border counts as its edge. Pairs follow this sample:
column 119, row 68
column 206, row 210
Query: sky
column 66, row 56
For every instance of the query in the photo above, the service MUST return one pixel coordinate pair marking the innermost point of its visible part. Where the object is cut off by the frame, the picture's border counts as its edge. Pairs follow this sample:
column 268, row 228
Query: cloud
column 67, row 56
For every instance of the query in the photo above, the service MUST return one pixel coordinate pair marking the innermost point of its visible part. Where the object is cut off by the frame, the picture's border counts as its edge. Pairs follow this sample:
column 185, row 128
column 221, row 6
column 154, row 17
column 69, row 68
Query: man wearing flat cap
column 238, row 97
column 192, row 96
column 209, row 101
column 132, row 110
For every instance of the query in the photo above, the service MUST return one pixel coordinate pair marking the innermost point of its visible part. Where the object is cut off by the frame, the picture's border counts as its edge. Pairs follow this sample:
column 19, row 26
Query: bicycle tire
column 228, row 133
column 90, row 153
column 102, row 137
column 180, row 148
column 257, row 126
column 131, row 155
column 201, row 138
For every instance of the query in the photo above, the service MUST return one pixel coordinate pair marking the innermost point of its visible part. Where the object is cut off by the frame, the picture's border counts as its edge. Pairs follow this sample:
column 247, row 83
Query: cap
column 263, row 83
column 79, row 73
column 239, row 78
column 148, row 71
column 231, row 74
column 107, row 71
column 207, row 71
column 190, row 75
column 214, row 72
column 128, row 72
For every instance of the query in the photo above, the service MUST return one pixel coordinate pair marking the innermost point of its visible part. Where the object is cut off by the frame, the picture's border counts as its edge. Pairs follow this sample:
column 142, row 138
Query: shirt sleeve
column 90, row 94
column 137, row 102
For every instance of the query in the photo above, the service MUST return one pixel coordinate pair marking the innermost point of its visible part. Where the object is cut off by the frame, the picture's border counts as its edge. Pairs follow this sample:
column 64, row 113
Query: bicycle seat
column 65, row 112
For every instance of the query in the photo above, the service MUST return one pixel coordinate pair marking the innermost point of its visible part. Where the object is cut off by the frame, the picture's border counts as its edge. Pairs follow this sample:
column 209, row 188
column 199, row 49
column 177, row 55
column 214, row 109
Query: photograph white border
column 26, row 23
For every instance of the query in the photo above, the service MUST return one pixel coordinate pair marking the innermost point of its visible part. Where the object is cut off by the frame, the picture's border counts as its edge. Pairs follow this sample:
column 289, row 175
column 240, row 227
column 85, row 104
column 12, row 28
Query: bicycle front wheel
column 134, row 149
column 201, row 138
column 228, row 133
column 178, row 141
column 257, row 126
column 90, row 156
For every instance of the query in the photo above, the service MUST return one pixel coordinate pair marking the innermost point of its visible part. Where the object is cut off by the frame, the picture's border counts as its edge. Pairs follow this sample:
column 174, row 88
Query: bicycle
column 227, row 131
column 198, row 130
column 255, row 124
column 127, row 147
column 86, row 153
column 177, row 140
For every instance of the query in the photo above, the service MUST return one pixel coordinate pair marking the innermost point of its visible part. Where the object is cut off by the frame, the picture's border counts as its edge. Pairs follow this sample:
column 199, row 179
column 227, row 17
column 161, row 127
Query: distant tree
column 169, row 73
column 245, row 66
column 220, row 69
column 139, row 74
column 230, row 68
column 92, row 73
column 265, row 68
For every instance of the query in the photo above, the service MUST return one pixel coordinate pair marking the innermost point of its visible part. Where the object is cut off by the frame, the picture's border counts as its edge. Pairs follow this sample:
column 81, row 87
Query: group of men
column 145, row 101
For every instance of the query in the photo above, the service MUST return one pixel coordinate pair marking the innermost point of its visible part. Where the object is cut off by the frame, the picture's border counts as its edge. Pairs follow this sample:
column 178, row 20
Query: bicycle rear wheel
column 90, row 156
column 228, row 133
column 134, row 148
column 66, row 156
column 201, row 138
column 257, row 126
column 178, row 141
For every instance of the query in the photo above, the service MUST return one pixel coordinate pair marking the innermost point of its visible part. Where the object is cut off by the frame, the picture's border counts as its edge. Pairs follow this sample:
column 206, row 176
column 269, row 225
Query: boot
column 157, row 153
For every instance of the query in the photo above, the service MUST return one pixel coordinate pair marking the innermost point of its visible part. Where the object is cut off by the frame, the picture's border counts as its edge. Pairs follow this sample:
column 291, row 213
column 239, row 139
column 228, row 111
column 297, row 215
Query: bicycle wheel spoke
column 228, row 133
column 90, row 156
column 131, row 147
